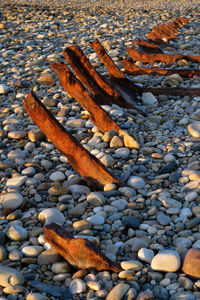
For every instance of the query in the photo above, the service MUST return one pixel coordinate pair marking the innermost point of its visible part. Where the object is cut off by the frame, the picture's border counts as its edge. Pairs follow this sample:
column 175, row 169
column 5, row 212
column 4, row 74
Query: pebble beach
column 151, row 224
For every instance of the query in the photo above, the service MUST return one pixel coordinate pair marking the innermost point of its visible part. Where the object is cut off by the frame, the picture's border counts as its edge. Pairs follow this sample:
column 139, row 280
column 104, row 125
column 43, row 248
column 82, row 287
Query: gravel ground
column 151, row 225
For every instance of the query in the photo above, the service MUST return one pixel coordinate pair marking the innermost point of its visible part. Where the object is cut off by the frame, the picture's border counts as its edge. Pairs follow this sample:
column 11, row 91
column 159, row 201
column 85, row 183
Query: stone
column 145, row 295
column 11, row 200
column 131, row 265
column 81, row 225
column 17, row 135
column 48, row 256
column 3, row 89
column 136, row 182
column 107, row 160
column 10, row 277
column 15, row 289
column 96, row 199
column 35, row 135
column 96, row 220
column 2, row 237
column 137, row 244
column 146, row 255
column 32, row 251
column 186, row 283
column 130, row 222
column 3, row 253
column 51, row 215
column 77, row 286
column 46, row 80
column 17, row 233
column 182, row 295
column 191, row 196
column 61, row 267
column 166, row 261
column 194, row 129
column 169, row 157
column 15, row 181
column 118, row 292
column 57, row 176
column 191, row 263
column 149, row 99
column 183, row 242
column 122, row 153
column 116, row 142
column 78, row 189
column 36, row 296
column 163, row 219
column 76, row 123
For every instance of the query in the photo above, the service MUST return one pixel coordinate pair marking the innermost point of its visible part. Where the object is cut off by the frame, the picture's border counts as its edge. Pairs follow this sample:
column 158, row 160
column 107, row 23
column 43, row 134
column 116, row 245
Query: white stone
column 136, row 182
column 96, row 220
column 131, row 265
column 57, row 176
column 149, row 99
column 32, row 251
column 11, row 200
column 60, row 267
column 36, row 296
column 169, row 157
column 194, row 129
column 10, row 276
column 146, row 255
column 17, row 233
column 166, row 261
column 3, row 89
column 16, row 181
column 51, row 215
column 77, row 286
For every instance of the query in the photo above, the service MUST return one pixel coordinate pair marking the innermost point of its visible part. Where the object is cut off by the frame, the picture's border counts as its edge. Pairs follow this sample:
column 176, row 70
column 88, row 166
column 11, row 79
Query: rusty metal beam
column 147, row 46
column 97, row 114
column 80, row 159
column 166, row 58
column 132, row 69
column 79, row 252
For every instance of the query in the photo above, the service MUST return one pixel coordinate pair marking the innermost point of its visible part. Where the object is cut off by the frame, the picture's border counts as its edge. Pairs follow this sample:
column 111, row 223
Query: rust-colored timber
column 172, row 91
column 97, row 115
column 181, row 21
column 98, row 86
column 147, row 46
column 132, row 69
column 166, row 58
column 79, row 252
column 118, row 79
column 86, row 164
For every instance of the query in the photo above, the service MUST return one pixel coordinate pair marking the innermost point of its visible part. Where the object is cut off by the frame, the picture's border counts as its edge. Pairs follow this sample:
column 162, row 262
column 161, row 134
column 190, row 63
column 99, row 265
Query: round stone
column 61, row 267
column 10, row 276
column 17, row 135
column 32, row 251
column 131, row 265
column 194, row 129
column 118, row 291
column 146, row 255
column 51, row 215
column 149, row 99
column 48, row 256
column 57, row 176
column 96, row 199
column 3, row 253
column 163, row 219
column 122, row 153
column 166, row 261
column 96, row 220
column 130, row 222
column 36, row 296
column 136, row 182
column 17, row 233
column 11, row 200
column 77, row 286
column 3, row 89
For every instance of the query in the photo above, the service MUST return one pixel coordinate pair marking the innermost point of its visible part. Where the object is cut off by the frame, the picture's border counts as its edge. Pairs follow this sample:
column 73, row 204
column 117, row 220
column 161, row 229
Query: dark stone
column 2, row 238
column 196, row 147
column 130, row 295
column 160, row 293
column 125, row 176
column 174, row 176
column 111, row 193
column 142, row 169
column 146, row 286
column 192, row 223
column 51, row 289
column 30, row 276
column 168, row 168
column 130, row 222
column 163, row 219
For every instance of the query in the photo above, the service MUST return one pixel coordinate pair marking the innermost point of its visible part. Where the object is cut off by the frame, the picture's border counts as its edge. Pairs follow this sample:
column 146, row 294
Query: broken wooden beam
column 97, row 114
column 79, row 252
column 166, row 58
column 132, row 69
column 148, row 47
column 98, row 86
column 80, row 159
column 176, row 91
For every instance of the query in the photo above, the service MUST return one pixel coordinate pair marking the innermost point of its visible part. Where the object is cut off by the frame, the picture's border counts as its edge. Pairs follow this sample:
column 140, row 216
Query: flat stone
column 122, row 153
column 166, row 261
column 137, row 244
column 76, row 123
column 10, row 276
column 3, row 253
column 51, row 215
column 81, row 225
column 118, row 292
column 191, row 263
column 15, row 181
column 194, row 129
column 45, row 79
column 61, row 267
column 163, row 219
column 57, row 176
column 3, row 89
column 183, row 242
column 96, row 220
column 136, row 182
column 131, row 265
column 17, row 135
column 191, row 196
column 130, row 222
column 36, row 296
column 146, row 255
column 49, row 256
column 96, row 199
column 183, row 295
column 145, row 295
column 35, row 135
column 17, row 233
column 11, row 200
column 32, row 251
